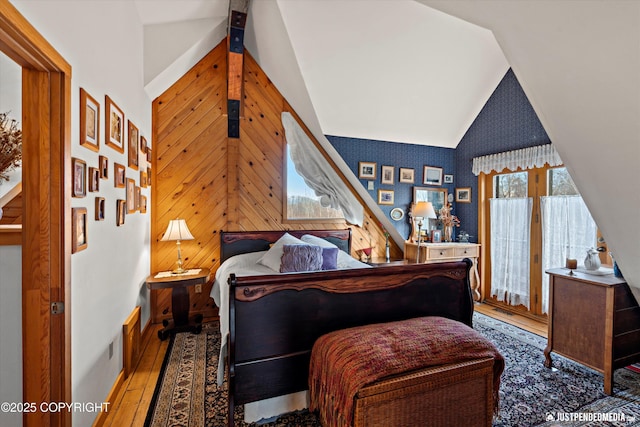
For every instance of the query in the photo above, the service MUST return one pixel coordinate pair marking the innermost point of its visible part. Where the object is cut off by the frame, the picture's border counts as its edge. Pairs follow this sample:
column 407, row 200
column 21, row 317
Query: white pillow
column 273, row 256
column 344, row 259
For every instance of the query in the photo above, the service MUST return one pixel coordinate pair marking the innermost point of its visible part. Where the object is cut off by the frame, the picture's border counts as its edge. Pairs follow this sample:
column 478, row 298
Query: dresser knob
column 441, row 253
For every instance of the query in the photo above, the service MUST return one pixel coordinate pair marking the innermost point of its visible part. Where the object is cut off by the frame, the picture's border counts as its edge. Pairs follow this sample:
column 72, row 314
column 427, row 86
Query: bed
column 269, row 322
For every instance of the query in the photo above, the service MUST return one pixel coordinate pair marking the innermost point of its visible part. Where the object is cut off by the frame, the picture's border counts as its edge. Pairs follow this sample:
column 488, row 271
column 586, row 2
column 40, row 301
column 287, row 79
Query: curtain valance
column 525, row 158
column 318, row 174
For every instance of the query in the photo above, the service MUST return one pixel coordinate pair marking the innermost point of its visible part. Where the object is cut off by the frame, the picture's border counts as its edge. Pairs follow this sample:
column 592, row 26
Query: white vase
column 592, row 261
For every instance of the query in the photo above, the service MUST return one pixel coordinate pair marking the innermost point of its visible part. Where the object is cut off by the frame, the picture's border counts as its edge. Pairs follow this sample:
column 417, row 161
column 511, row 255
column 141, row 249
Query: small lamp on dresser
column 177, row 230
column 422, row 211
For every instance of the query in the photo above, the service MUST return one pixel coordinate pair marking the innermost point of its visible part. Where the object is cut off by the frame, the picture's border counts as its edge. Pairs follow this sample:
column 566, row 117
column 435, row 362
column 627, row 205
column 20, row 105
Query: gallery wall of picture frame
column 87, row 178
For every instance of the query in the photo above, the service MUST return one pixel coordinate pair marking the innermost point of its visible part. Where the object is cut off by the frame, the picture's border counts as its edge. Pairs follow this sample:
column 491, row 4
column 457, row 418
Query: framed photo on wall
column 448, row 179
column 131, row 195
column 134, row 146
column 113, row 125
column 103, row 166
column 118, row 175
column 367, row 170
column 79, row 171
column 407, row 175
column 385, row 197
column 463, row 194
column 100, row 206
column 121, row 206
column 89, row 121
column 94, row 180
column 79, row 240
column 387, row 175
column 432, row 175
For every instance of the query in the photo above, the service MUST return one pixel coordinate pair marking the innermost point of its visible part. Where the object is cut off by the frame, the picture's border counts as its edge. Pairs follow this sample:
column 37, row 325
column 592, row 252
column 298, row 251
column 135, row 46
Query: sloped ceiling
column 364, row 68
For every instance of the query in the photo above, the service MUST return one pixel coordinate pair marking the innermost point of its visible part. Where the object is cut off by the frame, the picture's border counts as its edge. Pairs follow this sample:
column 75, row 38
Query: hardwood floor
column 131, row 404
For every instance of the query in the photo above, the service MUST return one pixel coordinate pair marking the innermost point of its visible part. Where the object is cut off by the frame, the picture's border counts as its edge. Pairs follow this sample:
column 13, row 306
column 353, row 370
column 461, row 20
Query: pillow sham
column 273, row 256
column 301, row 258
column 344, row 259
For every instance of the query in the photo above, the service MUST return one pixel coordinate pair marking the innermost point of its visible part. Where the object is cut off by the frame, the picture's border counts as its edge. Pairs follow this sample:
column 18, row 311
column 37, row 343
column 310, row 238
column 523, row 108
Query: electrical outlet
column 110, row 350
column 370, row 186
column 198, row 288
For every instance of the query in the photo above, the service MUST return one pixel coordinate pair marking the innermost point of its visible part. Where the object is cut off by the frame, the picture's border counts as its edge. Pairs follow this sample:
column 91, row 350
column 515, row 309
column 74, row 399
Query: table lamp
column 421, row 211
column 177, row 230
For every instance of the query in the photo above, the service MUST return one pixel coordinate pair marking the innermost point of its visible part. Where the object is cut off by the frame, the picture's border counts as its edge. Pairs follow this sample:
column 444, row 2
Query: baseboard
column 111, row 397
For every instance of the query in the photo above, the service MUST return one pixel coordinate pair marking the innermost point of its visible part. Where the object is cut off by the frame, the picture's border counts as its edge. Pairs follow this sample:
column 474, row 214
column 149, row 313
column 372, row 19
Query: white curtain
column 525, row 158
column 318, row 174
column 568, row 230
column 510, row 243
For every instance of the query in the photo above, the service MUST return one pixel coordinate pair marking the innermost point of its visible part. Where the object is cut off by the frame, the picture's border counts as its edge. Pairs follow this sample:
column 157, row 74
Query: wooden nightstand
column 179, row 299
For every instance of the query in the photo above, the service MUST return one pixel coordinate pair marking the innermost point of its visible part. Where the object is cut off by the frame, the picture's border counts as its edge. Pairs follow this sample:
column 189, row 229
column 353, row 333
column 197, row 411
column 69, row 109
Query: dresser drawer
column 440, row 253
column 466, row 252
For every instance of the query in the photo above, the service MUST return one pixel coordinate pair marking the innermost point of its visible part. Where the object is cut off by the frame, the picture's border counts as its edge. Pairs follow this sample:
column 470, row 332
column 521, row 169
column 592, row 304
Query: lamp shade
column 424, row 210
column 177, row 230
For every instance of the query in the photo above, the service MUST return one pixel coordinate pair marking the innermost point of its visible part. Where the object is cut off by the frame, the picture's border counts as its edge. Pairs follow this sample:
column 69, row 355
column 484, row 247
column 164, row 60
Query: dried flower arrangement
column 445, row 217
column 10, row 145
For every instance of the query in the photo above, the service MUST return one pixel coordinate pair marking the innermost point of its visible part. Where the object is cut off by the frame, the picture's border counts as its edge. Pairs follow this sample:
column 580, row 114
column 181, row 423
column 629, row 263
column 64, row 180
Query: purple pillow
column 330, row 258
column 300, row 258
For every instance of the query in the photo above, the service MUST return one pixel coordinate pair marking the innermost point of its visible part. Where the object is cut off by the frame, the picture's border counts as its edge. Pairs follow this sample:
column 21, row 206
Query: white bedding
column 247, row 265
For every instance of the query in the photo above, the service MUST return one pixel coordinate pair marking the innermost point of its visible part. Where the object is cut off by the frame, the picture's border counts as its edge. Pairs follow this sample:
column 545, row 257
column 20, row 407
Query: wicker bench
column 460, row 392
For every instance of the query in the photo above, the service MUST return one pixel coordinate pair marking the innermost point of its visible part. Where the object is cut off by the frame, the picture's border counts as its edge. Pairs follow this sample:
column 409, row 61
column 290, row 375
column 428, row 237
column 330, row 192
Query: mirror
column 437, row 196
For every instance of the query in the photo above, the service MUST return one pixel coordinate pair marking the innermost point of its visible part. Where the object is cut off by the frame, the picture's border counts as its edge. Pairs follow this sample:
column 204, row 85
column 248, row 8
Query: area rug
column 530, row 394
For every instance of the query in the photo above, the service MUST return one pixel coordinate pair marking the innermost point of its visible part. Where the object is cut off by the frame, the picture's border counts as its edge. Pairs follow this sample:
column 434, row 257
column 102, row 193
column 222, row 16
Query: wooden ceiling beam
column 238, row 10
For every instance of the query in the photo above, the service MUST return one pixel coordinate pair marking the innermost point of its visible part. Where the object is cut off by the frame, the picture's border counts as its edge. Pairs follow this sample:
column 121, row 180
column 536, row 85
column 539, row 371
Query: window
column 302, row 202
column 560, row 183
column 510, row 185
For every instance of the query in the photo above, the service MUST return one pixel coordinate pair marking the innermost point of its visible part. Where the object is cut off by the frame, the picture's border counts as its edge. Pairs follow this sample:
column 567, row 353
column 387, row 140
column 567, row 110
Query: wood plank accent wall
column 217, row 183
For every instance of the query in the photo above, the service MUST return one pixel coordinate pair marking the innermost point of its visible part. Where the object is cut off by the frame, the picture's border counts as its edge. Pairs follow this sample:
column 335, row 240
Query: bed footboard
column 275, row 320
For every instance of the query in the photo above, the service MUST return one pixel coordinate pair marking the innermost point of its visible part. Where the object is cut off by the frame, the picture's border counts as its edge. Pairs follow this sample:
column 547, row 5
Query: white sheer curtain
column 568, row 230
column 510, row 243
column 318, row 175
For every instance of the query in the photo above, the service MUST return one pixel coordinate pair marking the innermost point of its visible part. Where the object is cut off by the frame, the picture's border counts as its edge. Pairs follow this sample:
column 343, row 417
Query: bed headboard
column 240, row 242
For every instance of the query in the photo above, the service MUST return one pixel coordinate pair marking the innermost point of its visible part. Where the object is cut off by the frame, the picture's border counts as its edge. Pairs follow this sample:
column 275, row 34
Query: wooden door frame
column 46, row 254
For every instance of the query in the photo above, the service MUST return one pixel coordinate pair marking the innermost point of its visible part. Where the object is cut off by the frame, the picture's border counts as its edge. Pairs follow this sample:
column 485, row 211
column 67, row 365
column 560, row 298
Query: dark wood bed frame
column 274, row 320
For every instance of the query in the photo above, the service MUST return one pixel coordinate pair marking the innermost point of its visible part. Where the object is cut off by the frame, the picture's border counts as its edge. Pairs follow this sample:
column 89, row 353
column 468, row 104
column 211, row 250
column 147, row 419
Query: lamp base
column 179, row 270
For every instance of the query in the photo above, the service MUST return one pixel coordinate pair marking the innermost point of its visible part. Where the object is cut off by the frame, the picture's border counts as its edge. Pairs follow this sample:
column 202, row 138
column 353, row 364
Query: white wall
column 103, row 42
column 10, row 331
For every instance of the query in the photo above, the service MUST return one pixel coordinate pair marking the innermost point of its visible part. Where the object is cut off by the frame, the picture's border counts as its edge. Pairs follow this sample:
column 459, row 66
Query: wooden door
column 46, row 99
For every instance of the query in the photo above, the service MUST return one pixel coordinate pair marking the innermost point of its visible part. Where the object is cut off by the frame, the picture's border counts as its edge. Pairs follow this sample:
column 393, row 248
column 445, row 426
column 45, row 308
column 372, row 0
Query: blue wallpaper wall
column 354, row 150
column 506, row 122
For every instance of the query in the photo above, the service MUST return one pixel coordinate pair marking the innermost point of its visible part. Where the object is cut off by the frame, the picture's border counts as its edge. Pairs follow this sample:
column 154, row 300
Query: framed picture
column 89, row 121
column 118, row 175
column 385, row 197
column 367, row 170
column 94, row 179
column 396, row 214
column 143, row 146
column 448, row 179
column 432, row 175
column 463, row 194
column 387, row 175
column 134, row 140
column 79, row 230
column 131, row 195
column 148, row 176
column 436, row 236
column 136, row 195
column 407, row 175
column 103, row 166
column 114, row 125
column 143, row 178
column 148, row 154
column 121, row 207
column 100, row 204
column 79, row 171
column 143, row 204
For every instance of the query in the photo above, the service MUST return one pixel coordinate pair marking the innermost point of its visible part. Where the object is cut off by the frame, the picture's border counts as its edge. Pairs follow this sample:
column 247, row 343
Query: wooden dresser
column 443, row 252
column 594, row 320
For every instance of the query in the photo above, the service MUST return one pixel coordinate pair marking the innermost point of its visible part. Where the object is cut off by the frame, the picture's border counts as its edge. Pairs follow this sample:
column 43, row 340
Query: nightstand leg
column 180, row 305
